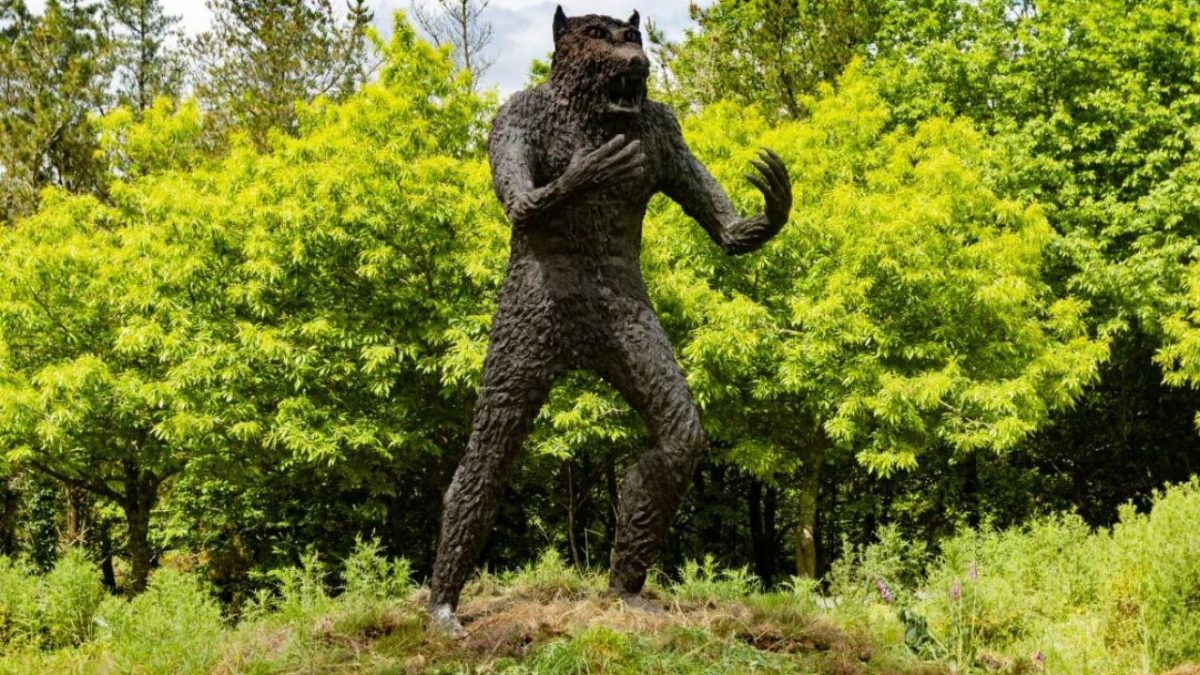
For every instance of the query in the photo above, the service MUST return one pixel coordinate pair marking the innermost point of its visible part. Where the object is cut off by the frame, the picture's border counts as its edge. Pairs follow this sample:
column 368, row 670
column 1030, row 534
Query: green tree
column 1098, row 106
column 904, row 308
column 80, row 403
column 205, row 331
column 54, row 74
column 772, row 53
column 149, row 62
column 260, row 58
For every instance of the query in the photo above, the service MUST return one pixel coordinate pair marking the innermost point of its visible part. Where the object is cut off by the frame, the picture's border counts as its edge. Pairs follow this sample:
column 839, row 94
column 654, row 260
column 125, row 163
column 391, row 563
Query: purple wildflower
column 956, row 590
column 884, row 591
column 1039, row 658
column 973, row 572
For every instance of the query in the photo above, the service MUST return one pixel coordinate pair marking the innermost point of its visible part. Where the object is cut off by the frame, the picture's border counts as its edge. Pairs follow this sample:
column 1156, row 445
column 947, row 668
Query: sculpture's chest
column 559, row 140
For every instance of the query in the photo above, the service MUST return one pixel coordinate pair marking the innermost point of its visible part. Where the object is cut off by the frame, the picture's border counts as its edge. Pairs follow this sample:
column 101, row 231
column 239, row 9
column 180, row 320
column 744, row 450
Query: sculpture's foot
column 442, row 619
column 638, row 602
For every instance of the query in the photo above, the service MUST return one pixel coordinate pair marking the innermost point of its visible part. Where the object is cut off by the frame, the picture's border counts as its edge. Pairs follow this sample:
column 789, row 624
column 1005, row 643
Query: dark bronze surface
column 575, row 161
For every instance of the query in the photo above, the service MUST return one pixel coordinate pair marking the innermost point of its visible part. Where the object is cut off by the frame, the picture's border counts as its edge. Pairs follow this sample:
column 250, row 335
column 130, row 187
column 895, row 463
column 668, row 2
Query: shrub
column 301, row 595
column 1010, row 584
column 1073, row 599
column 1153, row 578
column 551, row 577
column 18, row 603
column 703, row 581
column 174, row 627
column 883, row 573
column 370, row 576
column 68, row 597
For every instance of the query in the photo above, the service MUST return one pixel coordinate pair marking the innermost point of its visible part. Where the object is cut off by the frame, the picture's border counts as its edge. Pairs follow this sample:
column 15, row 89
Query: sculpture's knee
column 683, row 448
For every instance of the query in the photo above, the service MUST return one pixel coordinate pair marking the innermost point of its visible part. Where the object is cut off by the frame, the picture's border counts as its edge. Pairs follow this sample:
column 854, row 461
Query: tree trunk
column 572, row 540
column 714, row 534
column 770, row 535
column 76, row 515
column 9, row 506
column 757, row 531
column 141, row 493
column 806, row 528
column 107, row 574
column 610, row 513
column 972, row 492
column 137, row 520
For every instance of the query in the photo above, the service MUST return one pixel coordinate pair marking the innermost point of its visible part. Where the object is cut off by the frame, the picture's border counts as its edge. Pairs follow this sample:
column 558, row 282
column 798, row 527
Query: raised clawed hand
column 775, row 184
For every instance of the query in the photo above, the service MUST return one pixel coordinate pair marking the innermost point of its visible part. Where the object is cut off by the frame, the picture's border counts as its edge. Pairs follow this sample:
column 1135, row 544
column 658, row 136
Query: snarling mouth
column 626, row 93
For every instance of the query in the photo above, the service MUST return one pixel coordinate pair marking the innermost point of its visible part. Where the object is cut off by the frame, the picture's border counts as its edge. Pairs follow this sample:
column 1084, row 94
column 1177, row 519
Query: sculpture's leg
column 517, row 376
column 643, row 369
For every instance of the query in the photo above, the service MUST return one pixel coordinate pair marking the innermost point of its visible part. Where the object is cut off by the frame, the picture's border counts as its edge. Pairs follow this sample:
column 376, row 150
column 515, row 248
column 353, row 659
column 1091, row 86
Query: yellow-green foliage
column 18, row 602
column 174, row 627
column 258, row 302
column 1089, row 602
column 904, row 305
column 54, row 610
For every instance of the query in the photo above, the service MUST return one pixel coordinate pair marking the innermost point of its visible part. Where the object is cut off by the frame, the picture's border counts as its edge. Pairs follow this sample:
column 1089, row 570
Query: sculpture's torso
column 583, row 260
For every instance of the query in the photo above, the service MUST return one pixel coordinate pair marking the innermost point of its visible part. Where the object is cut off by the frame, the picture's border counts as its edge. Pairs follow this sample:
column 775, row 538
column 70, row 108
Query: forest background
column 246, row 280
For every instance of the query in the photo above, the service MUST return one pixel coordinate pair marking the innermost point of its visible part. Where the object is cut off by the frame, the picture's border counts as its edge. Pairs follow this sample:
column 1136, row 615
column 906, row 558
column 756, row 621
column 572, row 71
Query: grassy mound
column 545, row 618
column 1053, row 597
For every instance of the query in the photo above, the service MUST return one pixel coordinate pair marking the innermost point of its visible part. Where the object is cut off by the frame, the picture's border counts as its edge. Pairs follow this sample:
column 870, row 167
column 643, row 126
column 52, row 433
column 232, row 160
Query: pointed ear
column 633, row 20
column 560, row 23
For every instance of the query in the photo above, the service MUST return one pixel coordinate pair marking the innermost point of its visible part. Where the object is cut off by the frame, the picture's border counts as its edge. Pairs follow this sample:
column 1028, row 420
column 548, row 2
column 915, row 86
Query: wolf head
column 599, row 62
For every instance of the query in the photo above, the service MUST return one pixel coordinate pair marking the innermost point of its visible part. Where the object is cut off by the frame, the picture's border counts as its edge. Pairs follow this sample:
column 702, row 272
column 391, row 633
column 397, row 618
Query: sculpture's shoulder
column 658, row 120
column 524, row 110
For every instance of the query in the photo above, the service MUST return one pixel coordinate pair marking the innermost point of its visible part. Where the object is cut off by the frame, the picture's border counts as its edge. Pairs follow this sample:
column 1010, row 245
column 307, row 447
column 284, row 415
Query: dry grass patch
column 515, row 624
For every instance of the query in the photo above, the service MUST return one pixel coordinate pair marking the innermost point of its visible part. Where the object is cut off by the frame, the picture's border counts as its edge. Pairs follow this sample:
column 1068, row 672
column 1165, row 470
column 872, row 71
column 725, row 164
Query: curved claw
column 762, row 185
column 779, row 169
column 770, row 174
column 771, row 165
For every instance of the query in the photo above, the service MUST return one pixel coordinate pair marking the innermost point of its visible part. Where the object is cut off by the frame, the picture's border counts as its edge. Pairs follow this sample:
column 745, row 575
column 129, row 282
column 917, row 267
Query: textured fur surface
column 575, row 162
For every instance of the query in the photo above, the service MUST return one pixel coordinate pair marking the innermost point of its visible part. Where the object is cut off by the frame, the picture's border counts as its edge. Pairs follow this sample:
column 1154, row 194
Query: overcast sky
column 521, row 27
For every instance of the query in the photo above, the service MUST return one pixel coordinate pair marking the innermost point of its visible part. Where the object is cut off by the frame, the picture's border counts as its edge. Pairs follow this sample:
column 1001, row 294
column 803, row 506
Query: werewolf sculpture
column 575, row 162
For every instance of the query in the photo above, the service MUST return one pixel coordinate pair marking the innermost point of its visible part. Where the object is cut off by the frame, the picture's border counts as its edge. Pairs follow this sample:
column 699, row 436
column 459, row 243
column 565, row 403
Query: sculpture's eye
column 633, row 36
column 598, row 32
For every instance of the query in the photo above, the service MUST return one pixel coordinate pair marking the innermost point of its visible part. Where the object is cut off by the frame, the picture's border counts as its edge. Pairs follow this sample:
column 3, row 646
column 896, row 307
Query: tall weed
column 68, row 597
column 18, row 603
column 704, row 581
column 174, row 627
column 1152, row 584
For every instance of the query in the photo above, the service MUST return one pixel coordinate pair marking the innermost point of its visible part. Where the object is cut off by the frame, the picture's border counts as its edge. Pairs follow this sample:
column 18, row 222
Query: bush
column 174, row 627
column 68, row 597
column 1057, row 593
column 1016, row 580
column 370, row 576
column 886, row 570
column 18, row 603
column 704, row 582
column 550, row 577
column 55, row 610
column 1153, row 578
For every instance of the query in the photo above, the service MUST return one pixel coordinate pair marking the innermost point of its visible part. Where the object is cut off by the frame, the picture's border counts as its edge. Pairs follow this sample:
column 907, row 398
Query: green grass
column 544, row 618
column 1050, row 597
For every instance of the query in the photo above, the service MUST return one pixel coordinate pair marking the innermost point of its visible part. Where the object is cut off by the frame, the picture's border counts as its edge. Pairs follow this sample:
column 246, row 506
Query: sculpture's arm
column 526, row 204
column 690, row 184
